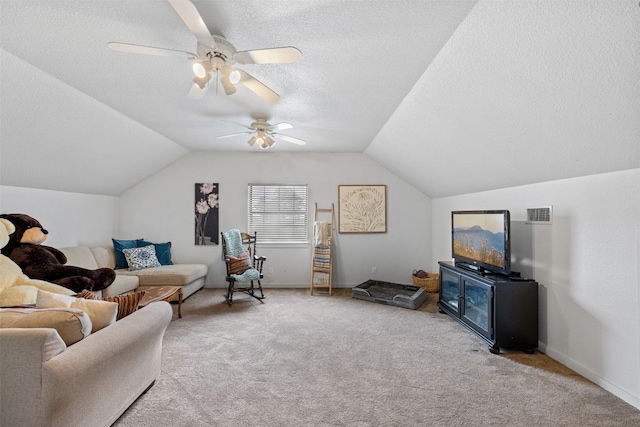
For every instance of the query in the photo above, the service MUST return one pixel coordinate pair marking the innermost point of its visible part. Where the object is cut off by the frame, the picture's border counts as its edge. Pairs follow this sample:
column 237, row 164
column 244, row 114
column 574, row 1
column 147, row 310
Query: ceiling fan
column 216, row 54
column 265, row 134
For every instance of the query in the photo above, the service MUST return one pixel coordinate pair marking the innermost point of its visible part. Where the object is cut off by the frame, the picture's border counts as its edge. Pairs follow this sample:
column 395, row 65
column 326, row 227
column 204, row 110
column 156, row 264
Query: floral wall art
column 206, row 214
column 362, row 208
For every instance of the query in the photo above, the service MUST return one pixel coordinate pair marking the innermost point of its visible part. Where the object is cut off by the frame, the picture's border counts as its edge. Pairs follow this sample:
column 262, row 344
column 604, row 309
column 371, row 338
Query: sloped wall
column 586, row 264
column 71, row 218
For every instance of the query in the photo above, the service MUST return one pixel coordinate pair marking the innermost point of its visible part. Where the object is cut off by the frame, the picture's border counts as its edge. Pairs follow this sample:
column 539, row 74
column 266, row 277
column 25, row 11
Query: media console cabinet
column 500, row 309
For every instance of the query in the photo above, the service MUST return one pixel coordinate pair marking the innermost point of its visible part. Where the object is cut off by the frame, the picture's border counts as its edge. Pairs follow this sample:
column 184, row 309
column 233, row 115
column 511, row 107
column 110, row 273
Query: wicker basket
column 431, row 283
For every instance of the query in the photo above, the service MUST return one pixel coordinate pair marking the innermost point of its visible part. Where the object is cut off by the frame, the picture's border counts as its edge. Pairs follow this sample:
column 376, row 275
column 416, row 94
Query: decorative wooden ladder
column 322, row 256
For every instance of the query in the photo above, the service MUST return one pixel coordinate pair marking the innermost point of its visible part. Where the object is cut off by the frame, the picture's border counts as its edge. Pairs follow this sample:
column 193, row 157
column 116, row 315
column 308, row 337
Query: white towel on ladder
column 321, row 233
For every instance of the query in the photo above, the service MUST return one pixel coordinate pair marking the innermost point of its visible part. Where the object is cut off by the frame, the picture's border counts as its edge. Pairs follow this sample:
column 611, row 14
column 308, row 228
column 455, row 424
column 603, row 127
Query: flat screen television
column 480, row 240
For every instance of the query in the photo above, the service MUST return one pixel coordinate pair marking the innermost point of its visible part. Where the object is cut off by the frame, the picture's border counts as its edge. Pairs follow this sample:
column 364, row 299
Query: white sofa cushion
column 104, row 256
column 80, row 256
column 101, row 313
column 72, row 324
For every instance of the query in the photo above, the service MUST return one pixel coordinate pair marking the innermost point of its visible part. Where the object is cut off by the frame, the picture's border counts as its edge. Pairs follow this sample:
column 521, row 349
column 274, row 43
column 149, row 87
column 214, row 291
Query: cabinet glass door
column 450, row 289
column 477, row 307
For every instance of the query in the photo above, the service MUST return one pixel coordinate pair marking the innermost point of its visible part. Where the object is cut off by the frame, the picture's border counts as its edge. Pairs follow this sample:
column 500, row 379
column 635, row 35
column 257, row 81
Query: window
column 279, row 213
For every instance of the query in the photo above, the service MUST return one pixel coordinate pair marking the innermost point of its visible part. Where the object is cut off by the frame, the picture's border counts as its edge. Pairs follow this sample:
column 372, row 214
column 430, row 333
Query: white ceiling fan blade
column 276, row 55
column 281, row 126
column 290, row 139
column 240, row 124
column 191, row 17
column 233, row 134
column 149, row 50
column 257, row 87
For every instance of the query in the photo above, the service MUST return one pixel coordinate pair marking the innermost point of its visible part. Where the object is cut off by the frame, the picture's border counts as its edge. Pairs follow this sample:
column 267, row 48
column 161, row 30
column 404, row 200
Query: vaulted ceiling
column 453, row 96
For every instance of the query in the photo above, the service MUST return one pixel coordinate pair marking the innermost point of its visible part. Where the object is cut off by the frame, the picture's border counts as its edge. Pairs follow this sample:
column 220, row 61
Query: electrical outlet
column 374, row 270
column 270, row 270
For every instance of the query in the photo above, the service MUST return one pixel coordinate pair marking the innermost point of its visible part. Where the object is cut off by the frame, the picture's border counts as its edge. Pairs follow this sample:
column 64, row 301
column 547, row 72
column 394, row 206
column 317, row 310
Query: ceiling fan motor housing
column 223, row 53
column 260, row 125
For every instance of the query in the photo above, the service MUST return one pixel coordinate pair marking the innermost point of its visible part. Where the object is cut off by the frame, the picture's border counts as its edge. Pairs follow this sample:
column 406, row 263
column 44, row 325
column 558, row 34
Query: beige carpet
column 298, row 360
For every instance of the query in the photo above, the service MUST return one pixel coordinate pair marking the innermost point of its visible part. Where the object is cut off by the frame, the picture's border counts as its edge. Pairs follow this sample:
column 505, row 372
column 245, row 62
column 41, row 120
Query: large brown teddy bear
column 46, row 263
column 16, row 288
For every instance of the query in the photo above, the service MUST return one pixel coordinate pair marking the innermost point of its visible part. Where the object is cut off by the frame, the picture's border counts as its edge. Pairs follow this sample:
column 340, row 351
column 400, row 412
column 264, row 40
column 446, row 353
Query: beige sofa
column 92, row 382
column 190, row 276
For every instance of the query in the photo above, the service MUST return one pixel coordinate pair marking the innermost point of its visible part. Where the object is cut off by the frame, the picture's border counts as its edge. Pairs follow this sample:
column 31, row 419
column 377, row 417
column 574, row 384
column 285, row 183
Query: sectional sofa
column 190, row 276
column 91, row 382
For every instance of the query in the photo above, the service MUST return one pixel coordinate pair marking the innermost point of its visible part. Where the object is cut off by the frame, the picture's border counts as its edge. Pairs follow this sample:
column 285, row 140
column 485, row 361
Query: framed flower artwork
column 206, row 214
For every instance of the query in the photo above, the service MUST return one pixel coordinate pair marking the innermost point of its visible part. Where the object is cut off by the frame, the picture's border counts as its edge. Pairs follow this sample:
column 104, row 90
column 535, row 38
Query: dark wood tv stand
column 500, row 309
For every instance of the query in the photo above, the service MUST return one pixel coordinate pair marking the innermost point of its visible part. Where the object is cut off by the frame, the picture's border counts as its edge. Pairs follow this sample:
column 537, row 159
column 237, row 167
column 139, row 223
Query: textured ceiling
column 453, row 96
column 523, row 92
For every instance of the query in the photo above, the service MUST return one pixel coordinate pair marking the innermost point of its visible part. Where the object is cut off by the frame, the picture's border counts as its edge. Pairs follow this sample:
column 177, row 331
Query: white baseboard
column 593, row 377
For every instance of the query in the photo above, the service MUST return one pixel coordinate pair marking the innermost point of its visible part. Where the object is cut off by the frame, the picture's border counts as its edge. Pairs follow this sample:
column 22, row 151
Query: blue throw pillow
column 118, row 246
column 163, row 251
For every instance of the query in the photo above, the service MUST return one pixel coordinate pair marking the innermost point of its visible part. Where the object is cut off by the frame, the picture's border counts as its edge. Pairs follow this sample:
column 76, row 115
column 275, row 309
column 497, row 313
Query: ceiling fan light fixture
column 202, row 82
column 265, row 146
column 252, row 141
column 228, row 86
column 201, row 69
column 234, row 77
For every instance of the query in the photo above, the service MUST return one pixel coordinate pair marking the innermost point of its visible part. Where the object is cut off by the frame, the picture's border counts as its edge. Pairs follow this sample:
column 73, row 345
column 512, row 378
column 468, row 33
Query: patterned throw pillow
column 163, row 251
column 87, row 295
column 118, row 246
column 139, row 258
column 240, row 264
column 127, row 304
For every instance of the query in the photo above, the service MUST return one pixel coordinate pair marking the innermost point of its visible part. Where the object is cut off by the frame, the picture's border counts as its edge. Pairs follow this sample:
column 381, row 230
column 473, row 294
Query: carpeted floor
column 300, row 360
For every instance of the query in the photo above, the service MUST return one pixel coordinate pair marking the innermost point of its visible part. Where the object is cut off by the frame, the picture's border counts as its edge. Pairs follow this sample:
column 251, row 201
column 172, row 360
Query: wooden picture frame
column 362, row 208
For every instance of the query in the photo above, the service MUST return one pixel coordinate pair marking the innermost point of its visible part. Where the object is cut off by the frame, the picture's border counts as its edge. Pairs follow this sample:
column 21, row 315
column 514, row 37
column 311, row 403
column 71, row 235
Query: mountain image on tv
column 479, row 244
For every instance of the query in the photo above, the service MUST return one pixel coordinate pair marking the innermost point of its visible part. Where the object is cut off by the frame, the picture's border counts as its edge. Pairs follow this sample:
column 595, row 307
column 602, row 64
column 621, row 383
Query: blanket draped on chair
column 233, row 239
column 235, row 248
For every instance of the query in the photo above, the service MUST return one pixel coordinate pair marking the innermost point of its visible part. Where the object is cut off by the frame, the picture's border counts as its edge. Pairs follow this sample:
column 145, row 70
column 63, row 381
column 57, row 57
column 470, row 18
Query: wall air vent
column 542, row 215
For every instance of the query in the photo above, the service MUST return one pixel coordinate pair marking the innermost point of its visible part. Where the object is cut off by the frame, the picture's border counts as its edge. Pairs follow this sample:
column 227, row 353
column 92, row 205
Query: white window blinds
column 278, row 213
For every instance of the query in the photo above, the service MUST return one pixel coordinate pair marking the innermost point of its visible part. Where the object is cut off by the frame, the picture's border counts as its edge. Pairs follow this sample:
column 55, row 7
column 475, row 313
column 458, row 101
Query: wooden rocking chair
column 243, row 264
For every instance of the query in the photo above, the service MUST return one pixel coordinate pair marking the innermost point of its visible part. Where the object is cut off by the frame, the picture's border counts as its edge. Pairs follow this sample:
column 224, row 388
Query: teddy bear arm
column 28, row 255
column 74, row 278
column 54, row 272
column 60, row 256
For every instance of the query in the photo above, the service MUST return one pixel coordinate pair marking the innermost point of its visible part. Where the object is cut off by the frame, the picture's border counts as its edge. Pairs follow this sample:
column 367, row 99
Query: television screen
column 481, row 239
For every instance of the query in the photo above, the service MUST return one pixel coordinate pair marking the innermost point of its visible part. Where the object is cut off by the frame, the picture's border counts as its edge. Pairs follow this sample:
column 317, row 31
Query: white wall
column 161, row 209
column 586, row 264
column 71, row 218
